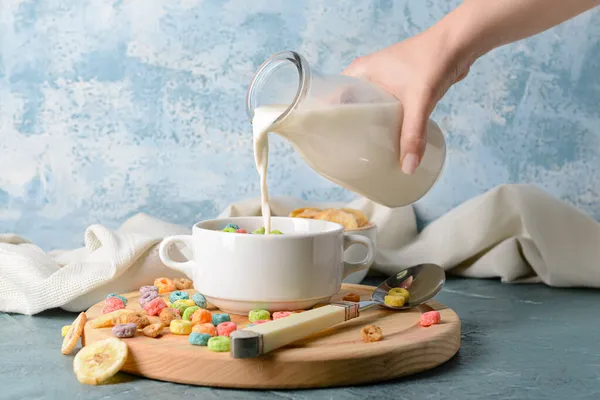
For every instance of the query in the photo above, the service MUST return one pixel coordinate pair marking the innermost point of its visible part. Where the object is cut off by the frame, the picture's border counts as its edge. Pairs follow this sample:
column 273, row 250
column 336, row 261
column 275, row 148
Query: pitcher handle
column 186, row 267
column 350, row 268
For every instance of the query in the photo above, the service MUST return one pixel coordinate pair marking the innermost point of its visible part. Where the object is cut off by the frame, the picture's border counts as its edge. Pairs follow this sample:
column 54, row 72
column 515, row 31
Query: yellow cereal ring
column 399, row 292
column 64, row 330
column 394, row 301
column 181, row 327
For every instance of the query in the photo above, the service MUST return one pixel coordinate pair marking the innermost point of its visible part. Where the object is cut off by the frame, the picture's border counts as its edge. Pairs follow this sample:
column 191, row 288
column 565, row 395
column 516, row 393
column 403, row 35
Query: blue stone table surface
column 518, row 342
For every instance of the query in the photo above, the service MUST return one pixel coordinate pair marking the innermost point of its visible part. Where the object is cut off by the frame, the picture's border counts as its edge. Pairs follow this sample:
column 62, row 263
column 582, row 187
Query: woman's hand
column 419, row 70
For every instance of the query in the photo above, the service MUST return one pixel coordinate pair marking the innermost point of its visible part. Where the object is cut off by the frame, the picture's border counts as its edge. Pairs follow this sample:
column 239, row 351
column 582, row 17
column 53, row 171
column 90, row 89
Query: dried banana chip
column 110, row 319
column 348, row 217
column 306, row 212
column 309, row 214
column 73, row 334
column 347, row 220
column 361, row 218
column 98, row 361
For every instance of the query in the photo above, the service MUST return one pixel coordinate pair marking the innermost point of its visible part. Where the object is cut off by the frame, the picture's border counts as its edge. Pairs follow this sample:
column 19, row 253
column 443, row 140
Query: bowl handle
column 350, row 268
column 186, row 267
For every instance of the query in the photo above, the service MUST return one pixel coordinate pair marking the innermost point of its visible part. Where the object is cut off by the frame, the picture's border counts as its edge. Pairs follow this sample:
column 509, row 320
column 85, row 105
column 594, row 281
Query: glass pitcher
column 345, row 128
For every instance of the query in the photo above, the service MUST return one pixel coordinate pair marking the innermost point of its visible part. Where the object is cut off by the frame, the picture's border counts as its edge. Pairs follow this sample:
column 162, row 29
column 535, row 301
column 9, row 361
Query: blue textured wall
column 108, row 108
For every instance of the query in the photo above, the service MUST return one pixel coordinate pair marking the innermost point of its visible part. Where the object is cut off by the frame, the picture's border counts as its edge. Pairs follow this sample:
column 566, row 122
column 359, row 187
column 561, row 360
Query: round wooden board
column 334, row 357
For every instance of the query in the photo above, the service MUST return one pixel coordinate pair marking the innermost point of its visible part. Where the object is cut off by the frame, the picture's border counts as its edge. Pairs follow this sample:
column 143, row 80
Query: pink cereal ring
column 281, row 314
column 430, row 318
column 155, row 306
column 112, row 304
column 261, row 321
column 225, row 328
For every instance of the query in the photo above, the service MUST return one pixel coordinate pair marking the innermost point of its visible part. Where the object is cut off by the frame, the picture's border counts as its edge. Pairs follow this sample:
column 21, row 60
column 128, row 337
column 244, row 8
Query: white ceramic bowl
column 240, row 272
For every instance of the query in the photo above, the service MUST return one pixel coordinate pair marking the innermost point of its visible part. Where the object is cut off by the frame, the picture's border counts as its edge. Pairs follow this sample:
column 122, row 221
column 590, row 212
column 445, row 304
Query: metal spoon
column 423, row 282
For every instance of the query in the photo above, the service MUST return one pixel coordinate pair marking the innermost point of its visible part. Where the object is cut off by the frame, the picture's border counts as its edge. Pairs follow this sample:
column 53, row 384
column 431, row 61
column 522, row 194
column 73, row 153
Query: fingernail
column 410, row 163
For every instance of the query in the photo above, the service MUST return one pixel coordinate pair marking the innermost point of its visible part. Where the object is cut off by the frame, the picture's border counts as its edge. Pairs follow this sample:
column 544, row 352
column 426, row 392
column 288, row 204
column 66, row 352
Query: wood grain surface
column 334, row 357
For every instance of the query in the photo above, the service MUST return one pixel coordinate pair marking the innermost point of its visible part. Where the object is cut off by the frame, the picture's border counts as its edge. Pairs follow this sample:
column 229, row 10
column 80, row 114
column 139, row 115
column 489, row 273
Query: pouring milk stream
column 351, row 139
column 262, row 121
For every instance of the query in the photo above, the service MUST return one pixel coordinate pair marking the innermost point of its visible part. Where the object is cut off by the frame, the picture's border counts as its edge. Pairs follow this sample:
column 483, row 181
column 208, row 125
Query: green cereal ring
column 181, row 305
column 123, row 299
column 229, row 230
column 219, row 343
column 187, row 314
column 258, row 315
column 259, row 231
column 276, row 232
column 218, row 318
column 199, row 339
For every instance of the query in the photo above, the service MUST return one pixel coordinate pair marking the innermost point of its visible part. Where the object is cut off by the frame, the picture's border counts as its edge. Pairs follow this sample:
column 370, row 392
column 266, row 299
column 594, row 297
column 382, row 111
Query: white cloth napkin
column 515, row 232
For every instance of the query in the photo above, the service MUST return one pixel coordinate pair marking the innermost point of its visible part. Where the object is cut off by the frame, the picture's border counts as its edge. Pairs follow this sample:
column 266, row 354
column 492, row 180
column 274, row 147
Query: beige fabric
column 517, row 233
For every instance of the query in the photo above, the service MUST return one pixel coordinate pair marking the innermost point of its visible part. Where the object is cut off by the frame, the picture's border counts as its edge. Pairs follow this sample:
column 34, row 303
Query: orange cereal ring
column 164, row 285
column 208, row 329
column 201, row 316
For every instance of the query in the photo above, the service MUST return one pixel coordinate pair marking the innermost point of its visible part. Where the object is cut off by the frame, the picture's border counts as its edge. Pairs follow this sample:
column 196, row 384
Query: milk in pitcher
column 353, row 145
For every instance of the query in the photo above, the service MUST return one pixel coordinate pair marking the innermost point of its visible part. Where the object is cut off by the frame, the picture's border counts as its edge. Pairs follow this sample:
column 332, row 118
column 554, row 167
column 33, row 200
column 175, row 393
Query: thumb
column 413, row 135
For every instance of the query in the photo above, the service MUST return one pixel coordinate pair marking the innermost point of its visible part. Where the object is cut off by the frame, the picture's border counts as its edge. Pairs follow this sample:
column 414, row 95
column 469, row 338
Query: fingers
column 357, row 68
column 462, row 75
column 413, row 135
column 417, row 108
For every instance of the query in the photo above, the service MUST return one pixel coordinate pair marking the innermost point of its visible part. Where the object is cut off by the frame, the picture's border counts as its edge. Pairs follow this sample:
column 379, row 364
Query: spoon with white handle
column 423, row 282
